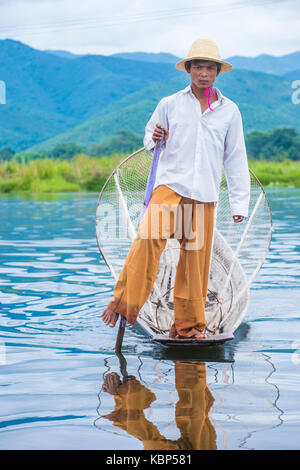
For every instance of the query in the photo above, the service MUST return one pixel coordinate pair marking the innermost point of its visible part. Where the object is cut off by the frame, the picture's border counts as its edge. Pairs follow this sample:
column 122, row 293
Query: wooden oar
column 120, row 334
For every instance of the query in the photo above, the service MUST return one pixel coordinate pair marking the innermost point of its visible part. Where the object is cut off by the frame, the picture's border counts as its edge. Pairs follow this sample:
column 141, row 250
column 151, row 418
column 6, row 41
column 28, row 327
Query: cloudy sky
column 239, row 27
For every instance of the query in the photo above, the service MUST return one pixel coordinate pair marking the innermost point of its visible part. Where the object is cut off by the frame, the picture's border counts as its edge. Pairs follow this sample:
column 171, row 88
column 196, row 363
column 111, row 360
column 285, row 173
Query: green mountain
column 47, row 94
column 61, row 53
column 57, row 97
column 294, row 75
column 159, row 57
column 267, row 63
column 264, row 101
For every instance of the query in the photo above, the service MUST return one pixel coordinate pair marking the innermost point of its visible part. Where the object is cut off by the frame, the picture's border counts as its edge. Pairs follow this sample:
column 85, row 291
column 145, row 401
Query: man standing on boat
column 202, row 131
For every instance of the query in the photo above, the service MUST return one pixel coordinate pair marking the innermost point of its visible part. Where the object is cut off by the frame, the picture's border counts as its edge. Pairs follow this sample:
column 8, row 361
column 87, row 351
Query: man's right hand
column 158, row 133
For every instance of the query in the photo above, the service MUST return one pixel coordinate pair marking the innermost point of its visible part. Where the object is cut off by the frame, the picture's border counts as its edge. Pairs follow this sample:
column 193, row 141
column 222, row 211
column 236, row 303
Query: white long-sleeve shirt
column 198, row 146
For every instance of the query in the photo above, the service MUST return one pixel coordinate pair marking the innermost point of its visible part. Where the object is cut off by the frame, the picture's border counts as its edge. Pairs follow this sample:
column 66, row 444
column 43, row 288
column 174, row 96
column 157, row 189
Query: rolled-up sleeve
column 159, row 116
column 236, row 167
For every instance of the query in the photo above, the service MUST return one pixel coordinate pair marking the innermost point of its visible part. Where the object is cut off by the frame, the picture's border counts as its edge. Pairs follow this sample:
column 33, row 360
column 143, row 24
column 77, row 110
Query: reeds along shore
column 85, row 173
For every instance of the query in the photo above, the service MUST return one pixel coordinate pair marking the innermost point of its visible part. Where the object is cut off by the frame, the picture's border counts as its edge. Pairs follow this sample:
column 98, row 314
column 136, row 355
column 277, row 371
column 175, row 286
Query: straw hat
column 207, row 50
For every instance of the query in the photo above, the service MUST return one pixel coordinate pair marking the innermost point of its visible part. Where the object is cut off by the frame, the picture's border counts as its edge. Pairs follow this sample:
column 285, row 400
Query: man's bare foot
column 109, row 317
column 199, row 335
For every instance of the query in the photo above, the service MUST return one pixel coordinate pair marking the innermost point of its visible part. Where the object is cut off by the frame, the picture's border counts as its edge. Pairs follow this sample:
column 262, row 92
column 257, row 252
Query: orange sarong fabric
column 169, row 215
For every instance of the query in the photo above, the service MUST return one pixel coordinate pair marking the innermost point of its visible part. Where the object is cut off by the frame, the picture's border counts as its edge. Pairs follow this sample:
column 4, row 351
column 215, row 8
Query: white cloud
column 239, row 27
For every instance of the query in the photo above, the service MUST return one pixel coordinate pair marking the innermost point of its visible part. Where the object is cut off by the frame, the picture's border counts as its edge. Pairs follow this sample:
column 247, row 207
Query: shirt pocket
column 214, row 135
column 179, row 143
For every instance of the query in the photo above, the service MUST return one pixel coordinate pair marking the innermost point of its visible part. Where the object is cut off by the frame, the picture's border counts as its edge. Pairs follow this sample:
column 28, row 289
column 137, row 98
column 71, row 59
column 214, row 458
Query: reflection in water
column 52, row 290
column 199, row 415
column 277, row 391
column 191, row 412
column 271, row 404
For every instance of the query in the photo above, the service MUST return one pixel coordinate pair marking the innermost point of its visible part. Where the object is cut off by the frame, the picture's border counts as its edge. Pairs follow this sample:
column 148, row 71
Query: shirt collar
column 221, row 98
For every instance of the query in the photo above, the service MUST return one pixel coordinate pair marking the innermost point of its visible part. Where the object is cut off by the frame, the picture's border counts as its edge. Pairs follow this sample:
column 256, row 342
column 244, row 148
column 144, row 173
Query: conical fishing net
column 239, row 249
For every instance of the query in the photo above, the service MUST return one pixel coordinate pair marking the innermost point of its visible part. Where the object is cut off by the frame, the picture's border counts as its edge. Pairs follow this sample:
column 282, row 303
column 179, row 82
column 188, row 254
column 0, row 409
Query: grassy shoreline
column 84, row 174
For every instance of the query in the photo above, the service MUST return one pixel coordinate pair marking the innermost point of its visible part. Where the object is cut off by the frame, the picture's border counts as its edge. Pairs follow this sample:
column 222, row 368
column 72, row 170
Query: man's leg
column 192, row 273
column 140, row 269
column 194, row 403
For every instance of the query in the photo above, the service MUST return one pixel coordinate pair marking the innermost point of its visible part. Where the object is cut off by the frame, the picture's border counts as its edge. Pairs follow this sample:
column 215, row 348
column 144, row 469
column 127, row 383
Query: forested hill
column 52, row 98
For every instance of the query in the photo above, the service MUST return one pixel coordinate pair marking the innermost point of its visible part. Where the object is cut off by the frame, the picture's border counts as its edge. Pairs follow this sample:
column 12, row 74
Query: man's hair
column 196, row 61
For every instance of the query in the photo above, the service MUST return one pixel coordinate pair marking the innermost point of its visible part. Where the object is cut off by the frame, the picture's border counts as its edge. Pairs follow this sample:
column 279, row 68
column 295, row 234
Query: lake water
column 57, row 361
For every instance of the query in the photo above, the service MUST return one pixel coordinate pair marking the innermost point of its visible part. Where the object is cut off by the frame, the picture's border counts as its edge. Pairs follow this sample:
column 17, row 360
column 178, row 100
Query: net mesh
column 239, row 249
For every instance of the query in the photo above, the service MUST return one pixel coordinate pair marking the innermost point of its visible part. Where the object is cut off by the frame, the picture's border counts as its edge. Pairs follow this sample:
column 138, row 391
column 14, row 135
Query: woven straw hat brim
column 226, row 66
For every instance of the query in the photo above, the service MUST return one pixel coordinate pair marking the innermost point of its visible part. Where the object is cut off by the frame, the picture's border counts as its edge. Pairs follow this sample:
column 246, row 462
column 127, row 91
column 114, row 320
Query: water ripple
column 55, row 351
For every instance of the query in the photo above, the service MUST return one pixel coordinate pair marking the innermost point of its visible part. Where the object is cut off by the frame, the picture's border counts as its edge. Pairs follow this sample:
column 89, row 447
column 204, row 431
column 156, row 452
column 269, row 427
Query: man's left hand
column 238, row 218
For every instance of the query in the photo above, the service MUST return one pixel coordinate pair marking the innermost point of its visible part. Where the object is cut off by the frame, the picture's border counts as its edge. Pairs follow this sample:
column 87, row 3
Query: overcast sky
column 239, row 27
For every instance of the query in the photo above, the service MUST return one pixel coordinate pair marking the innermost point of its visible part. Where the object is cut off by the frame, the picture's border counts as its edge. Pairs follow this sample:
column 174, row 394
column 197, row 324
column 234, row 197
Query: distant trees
column 122, row 142
column 66, row 150
column 61, row 151
column 275, row 145
column 6, row 153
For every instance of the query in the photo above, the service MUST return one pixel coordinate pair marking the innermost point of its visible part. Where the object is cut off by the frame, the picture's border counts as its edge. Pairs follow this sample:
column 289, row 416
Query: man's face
column 203, row 74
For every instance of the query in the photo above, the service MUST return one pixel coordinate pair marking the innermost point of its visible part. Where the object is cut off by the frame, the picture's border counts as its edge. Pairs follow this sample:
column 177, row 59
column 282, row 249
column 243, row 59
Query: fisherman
column 202, row 131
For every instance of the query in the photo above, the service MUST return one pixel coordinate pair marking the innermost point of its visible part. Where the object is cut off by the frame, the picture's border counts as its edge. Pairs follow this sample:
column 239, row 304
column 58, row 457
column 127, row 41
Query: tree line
column 274, row 145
